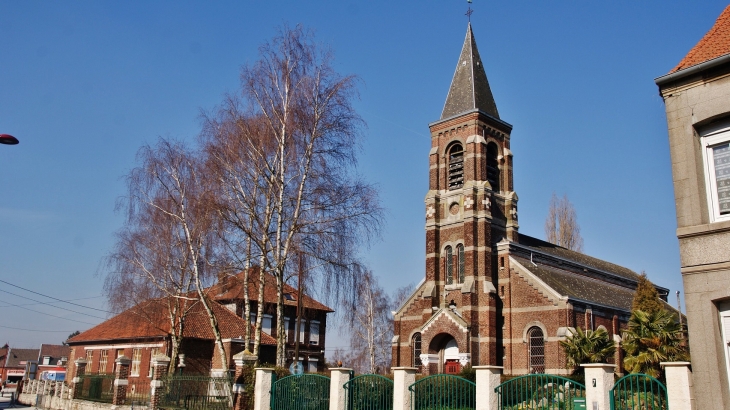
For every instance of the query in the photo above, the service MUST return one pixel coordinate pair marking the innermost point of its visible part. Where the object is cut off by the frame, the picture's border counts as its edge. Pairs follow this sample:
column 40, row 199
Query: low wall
column 56, row 403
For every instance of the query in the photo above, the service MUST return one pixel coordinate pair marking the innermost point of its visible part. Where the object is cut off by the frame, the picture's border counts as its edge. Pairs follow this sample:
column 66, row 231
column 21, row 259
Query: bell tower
column 470, row 206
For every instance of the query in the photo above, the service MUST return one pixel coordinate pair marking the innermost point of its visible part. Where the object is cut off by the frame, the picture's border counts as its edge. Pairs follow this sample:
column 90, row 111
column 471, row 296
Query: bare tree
column 283, row 153
column 371, row 327
column 166, row 247
column 561, row 225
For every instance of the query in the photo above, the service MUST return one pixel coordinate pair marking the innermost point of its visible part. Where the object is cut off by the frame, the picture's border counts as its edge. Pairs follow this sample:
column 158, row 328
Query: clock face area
column 454, row 208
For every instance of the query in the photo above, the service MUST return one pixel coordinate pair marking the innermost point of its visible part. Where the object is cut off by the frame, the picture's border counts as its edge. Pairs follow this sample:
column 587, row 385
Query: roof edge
column 678, row 75
column 477, row 110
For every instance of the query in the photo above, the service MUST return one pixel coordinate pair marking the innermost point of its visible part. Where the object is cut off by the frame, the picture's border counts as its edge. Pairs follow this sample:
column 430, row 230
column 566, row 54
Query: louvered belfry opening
column 536, row 350
column 456, row 167
column 493, row 166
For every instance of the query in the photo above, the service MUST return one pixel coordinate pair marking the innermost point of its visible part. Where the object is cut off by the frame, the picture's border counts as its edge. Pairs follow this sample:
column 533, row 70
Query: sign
column 579, row 403
column 16, row 372
column 296, row 368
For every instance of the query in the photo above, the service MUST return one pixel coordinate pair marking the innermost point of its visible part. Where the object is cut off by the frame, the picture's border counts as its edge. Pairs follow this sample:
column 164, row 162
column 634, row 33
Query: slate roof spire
column 469, row 88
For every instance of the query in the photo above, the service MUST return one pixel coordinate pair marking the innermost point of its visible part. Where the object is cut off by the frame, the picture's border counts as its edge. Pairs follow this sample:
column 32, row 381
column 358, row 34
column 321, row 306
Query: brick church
column 493, row 296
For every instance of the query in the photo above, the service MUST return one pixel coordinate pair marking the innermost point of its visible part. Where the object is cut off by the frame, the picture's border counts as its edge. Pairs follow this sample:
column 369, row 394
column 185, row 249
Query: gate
column 369, row 392
column 539, row 391
column 301, row 392
column 638, row 391
column 443, row 391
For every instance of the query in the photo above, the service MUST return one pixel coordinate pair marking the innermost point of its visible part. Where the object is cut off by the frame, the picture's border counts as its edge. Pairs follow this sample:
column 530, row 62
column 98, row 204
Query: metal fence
column 197, row 392
column 97, row 387
column 539, row 391
column 443, row 391
column 369, row 392
column 138, row 392
column 301, row 392
column 638, row 392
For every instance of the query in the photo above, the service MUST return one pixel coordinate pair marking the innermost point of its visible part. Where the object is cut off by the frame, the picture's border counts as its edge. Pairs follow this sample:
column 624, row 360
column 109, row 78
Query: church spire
column 469, row 88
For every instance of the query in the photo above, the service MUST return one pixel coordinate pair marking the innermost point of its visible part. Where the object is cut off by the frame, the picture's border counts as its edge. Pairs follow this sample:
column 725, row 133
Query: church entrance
column 444, row 346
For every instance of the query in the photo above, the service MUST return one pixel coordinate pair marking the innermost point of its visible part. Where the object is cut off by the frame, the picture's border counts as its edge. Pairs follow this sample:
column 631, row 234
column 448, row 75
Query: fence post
column 160, row 363
column 262, row 389
column 488, row 378
column 120, row 380
column 403, row 377
column 78, row 379
column 240, row 398
column 599, row 381
column 679, row 385
column 338, row 395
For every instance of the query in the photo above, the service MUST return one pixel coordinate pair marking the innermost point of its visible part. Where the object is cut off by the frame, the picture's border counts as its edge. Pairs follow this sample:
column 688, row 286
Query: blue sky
column 84, row 84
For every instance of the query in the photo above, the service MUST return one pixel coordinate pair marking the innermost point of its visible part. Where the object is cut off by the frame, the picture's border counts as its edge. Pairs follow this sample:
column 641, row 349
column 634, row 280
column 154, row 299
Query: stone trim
column 532, row 324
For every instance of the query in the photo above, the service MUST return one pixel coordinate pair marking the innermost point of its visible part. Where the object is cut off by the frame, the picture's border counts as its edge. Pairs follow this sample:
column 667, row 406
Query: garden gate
column 539, row 391
column 196, row 392
column 369, row 392
column 301, row 392
column 638, row 391
column 443, row 391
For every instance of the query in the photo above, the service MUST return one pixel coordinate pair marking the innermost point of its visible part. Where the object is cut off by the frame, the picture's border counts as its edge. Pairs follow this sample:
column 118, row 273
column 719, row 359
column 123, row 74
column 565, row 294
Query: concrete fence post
column 488, row 378
column 160, row 364
column 262, row 389
column 338, row 395
column 403, row 377
column 599, row 381
column 679, row 385
column 121, row 380
column 78, row 380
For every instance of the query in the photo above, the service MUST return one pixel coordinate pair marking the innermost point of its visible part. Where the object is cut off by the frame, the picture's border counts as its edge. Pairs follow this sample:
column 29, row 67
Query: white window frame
column 286, row 329
column 136, row 362
column 302, row 333
column 724, row 310
column 711, row 137
column 314, row 337
column 269, row 330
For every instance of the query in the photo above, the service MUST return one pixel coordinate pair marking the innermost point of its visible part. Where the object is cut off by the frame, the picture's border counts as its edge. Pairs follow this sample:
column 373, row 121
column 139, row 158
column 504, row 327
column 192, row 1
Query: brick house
column 144, row 331
column 14, row 365
column 229, row 292
column 493, row 296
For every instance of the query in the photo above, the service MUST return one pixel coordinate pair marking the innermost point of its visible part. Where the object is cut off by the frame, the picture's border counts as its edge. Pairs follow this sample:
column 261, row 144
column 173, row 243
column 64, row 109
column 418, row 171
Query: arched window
column 449, row 266
column 493, row 166
column 460, row 255
column 456, row 166
column 416, row 348
column 536, row 346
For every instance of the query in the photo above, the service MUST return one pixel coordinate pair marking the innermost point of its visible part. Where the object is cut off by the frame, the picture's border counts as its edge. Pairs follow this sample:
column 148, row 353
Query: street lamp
column 8, row 139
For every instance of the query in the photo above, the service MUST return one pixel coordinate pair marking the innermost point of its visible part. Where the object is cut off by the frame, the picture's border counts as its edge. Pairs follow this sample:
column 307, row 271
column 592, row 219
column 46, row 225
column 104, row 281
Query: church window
column 416, row 347
column 460, row 253
column 536, row 350
column 493, row 166
column 456, row 166
column 716, row 153
column 449, row 266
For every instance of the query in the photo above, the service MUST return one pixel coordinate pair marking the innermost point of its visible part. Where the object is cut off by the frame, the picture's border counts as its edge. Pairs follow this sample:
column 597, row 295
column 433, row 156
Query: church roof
column 469, row 89
column 715, row 43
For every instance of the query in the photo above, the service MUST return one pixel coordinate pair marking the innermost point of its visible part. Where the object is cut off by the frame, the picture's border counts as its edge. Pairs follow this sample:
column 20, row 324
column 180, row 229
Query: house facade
column 696, row 95
column 229, row 291
column 491, row 295
column 143, row 331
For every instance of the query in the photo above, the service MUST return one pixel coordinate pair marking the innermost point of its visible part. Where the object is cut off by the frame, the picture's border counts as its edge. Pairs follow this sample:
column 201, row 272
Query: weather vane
column 469, row 11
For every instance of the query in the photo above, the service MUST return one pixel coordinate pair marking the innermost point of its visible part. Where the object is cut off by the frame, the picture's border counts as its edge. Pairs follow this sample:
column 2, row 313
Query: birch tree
column 561, row 224
column 284, row 154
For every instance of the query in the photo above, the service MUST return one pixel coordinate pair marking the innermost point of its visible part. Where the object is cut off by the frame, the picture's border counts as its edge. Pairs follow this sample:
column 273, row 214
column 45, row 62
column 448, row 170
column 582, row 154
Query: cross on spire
column 469, row 11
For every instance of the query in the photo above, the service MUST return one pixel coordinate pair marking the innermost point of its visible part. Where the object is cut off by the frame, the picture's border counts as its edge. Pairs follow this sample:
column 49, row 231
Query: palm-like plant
column 588, row 347
column 652, row 338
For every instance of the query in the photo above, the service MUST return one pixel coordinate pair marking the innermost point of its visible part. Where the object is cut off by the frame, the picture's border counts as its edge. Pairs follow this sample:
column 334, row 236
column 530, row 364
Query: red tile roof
column 150, row 319
column 231, row 288
column 714, row 44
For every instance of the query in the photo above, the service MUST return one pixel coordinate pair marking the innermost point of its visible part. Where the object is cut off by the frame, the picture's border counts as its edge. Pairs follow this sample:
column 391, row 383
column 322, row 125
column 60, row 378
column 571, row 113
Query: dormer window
column 456, row 166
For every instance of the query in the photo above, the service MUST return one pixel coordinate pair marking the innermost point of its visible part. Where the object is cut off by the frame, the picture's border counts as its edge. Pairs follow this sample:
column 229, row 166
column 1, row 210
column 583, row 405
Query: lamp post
column 8, row 139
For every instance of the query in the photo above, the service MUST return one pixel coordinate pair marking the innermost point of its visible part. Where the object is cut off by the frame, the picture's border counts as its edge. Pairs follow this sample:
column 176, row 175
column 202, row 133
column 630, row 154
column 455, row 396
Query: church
column 491, row 295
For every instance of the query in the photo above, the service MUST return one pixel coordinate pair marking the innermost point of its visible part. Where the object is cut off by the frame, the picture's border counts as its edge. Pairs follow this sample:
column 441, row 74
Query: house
column 15, row 364
column 52, row 358
column 696, row 95
column 144, row 331
column 229, row 292
column 491, row 295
